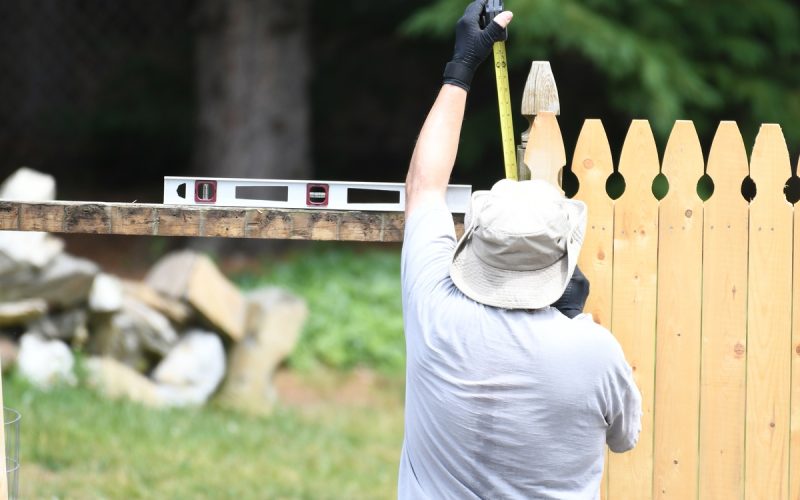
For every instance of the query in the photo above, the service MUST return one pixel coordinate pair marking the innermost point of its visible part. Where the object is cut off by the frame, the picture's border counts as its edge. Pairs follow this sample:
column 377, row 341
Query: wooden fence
column 700, row 295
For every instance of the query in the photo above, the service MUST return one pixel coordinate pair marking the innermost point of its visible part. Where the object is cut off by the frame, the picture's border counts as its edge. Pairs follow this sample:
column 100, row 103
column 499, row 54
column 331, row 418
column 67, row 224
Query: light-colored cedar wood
column 723, row 367
column 633, row 307
column 678, row 319
column 545, row 155
column 3, row 479
column 592, row 165
column 769, row 322
column 794, row 446
column 161, row 220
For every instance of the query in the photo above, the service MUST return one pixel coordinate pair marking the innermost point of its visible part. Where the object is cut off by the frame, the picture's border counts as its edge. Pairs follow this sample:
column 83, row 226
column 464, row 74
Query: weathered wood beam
column 217, row 222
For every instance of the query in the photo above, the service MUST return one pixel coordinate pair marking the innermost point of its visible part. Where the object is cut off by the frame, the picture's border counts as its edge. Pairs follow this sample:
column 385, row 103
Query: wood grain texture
column 633, row 308
column 216, row 222
column 545, row 155
column 592, row 164
column 540, row 93
column 794, row 445
column 723, row 366
column 678, row 320
column 769, row 320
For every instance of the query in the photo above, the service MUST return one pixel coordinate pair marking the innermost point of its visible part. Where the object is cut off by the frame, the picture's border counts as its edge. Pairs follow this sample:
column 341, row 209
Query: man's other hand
column 473, row 44
column 574, row 297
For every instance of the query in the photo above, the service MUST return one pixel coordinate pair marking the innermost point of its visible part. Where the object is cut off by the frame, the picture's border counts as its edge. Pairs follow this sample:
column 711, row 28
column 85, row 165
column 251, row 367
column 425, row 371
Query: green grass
column 77, row 445
column 355, row 303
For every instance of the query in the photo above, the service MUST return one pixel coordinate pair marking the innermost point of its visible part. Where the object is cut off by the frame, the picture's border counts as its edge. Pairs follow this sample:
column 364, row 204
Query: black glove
column 574, row 298
column 473, row 45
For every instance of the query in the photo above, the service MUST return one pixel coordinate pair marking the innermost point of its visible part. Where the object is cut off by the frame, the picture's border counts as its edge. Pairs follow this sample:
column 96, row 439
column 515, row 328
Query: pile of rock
column 178, row 337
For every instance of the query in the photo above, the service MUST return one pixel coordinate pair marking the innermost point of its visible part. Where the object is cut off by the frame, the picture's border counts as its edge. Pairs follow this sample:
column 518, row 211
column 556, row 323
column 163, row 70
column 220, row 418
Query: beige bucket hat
column 520, row 246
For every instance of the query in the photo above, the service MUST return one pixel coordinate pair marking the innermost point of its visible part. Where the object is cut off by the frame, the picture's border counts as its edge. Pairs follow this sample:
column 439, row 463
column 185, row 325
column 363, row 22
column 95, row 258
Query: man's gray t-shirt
column 502, row 403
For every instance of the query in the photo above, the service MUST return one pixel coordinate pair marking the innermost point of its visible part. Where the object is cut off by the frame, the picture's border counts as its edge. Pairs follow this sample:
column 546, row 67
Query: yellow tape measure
column 504, row 103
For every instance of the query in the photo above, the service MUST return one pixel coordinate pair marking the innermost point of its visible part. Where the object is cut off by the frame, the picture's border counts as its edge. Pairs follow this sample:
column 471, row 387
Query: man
column 506, row 397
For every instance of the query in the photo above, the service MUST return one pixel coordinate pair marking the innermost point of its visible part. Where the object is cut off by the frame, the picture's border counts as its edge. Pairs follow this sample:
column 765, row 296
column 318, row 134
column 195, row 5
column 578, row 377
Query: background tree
column 252, row 89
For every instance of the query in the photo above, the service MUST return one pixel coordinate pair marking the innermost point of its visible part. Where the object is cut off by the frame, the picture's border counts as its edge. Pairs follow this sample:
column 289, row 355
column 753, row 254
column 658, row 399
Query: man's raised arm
column 435, row 152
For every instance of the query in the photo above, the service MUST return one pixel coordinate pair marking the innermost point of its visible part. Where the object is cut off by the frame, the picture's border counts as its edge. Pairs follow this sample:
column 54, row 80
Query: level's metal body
column 275, row 193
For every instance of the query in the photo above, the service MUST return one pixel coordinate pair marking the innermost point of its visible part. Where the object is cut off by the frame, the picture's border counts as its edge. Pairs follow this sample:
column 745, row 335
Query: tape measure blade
column 504, row 107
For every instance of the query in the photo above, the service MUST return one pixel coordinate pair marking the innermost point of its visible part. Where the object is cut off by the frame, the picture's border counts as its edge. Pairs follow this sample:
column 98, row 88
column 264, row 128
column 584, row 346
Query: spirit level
column 274, row 193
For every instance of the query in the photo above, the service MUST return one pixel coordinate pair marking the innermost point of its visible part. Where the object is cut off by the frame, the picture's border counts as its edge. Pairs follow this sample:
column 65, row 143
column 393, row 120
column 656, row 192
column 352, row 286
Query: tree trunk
column 252, row 89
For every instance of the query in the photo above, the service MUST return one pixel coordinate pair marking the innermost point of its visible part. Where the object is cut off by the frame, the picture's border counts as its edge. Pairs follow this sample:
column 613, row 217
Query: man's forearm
column 437, row 145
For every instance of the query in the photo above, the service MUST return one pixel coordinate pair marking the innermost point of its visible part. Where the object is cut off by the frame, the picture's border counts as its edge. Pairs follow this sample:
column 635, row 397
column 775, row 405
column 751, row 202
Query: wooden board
column 166, row 220
column 678, row 320
column 769, row 321
column 794, row 461
column 545, row 155
column 592, row 165
column 633, row 308
column 723, row 367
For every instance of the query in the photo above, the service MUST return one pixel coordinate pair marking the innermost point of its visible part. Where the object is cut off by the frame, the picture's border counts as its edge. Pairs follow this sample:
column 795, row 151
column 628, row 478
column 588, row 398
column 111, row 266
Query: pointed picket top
column 770, row 166
column 638, row 162
column 683, row 164
column 545, row 155
column 727, row 167
column 592, row 163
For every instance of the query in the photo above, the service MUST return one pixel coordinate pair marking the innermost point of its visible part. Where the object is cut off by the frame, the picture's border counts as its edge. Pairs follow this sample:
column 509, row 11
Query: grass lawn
column 335, row 437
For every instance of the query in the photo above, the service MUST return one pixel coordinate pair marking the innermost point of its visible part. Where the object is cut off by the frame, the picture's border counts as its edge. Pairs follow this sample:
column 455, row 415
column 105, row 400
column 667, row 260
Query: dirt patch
column 360, row 387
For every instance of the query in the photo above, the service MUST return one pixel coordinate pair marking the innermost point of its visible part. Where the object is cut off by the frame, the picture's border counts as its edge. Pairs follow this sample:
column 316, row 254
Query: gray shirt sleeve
column 624, row 414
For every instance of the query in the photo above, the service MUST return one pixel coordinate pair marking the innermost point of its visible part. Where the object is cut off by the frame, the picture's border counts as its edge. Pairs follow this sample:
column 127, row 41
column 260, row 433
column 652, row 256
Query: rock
column 45, row 362
column 105, row 295
column 68, row 326
column 21, row 248
column 22, row 312
column 27, row 184
column 175, row 310
column 116, row 380
column 193, row 369
column 63, row 283
column 275, row 321
column 194, row 278
column 132, row 334
column 9, row 353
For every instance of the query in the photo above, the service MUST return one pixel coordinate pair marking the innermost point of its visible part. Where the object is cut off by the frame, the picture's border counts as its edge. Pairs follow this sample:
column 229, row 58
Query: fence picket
column 723, row 368
column 680, row 247
column 592, row 165
column 545, row 156
column 633, row 308
column 794, row 460
column 769, row 320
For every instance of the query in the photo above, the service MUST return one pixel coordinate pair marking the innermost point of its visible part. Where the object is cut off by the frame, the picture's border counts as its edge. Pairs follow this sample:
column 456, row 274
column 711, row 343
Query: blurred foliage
column 663, row 60
column 354, row 302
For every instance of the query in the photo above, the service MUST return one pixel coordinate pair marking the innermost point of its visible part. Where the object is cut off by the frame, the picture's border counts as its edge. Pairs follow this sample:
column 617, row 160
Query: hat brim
column 514, row 289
